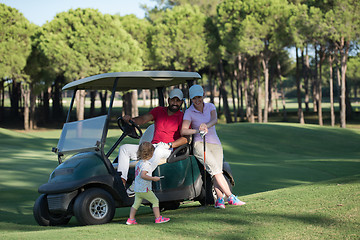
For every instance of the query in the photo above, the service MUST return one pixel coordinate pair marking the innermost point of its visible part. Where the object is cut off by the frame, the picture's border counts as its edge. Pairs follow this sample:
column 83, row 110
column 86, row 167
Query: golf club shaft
column 205, row 169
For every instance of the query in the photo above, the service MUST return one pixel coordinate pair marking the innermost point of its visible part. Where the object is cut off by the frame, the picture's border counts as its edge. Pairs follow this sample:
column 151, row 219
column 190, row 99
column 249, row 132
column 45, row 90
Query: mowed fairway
column 299, row 182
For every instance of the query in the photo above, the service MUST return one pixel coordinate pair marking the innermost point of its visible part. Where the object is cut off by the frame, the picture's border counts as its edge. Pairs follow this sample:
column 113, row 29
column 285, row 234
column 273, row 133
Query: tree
column 15, row 47
column 257, row 29
column 140, row 30
column 344, row 27
column 84, row 42
column 353, row 74
column 231, row 17
column 208, row 7
column 178, row 39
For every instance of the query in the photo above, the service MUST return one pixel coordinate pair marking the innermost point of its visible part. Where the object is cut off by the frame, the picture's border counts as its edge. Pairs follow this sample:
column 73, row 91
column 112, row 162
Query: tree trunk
column 129, row 103
column 298, row 90
column 250, row 96
column 134, row 107
column 126, row 104
column 271, row 94
column 80, row 104
column 56, row 98
column 25, row 92
column 321, row 60
column 224, row 93
column 315, row 84
column 241, row 99
column 276, row 95
column 46, row 104
column 211, row 87
column 151, row 98
column 259, row 94
column 278, row 66
column 32, row 120
column 241, row 91
column 233, row 94
column 331, row 84
column 14, row 91
column 344, row 50
column 306, row 80
column 92, row 103
column 2, row 99
column 265, row 64
column 103, row 97
column 348, row 102
column 220, row 96
column 143, row 93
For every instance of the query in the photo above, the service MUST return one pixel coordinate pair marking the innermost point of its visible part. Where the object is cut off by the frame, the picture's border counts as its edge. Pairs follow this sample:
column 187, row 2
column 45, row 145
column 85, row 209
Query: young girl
column 143, row 182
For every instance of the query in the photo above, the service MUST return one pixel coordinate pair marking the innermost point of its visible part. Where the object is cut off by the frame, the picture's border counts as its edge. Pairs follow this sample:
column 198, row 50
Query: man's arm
column 140, row 120
column 180, row 141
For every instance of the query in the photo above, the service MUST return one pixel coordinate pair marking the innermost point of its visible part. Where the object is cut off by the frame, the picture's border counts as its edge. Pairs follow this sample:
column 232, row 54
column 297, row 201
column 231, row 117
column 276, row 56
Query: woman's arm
column 212, row 122
column 186, row 130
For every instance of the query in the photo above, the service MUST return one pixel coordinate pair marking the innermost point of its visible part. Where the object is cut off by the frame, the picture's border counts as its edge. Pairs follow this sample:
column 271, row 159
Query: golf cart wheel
column 94, row 206
column 168, row 206
column 44, row 218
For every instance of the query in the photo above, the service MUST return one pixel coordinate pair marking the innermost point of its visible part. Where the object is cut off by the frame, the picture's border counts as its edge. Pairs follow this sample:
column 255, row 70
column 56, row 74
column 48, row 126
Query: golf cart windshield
column 82, row 135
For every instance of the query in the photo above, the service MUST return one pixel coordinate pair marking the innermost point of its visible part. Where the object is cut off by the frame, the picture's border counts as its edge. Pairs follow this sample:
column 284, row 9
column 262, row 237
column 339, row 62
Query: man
column 168, row 122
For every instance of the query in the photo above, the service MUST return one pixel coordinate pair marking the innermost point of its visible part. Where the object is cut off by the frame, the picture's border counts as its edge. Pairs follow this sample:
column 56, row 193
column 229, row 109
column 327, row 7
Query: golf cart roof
column 132, row 80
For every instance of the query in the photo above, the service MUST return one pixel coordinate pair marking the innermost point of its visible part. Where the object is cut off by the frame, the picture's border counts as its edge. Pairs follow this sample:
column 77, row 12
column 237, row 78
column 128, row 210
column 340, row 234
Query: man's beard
column 174, row 108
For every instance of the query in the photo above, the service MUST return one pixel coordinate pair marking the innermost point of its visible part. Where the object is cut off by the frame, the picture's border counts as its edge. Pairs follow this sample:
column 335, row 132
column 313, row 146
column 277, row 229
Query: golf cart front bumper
column 59, row 203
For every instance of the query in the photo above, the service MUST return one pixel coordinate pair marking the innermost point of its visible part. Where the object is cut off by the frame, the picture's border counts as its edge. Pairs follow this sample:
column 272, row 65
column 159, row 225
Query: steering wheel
column 131, row 129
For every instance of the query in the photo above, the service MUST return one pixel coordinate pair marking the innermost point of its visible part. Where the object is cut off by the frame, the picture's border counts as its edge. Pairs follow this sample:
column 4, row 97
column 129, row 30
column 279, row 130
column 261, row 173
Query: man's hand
column 163, row 145
column 126, row 118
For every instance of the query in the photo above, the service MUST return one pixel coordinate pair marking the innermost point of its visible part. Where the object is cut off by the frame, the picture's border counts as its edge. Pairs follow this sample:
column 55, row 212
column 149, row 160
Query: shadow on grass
column 235, row 223
column 264, row 157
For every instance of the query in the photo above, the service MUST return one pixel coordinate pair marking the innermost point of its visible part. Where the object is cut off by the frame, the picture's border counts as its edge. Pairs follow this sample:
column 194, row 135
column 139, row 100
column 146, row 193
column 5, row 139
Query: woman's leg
column 221, row 185
column 213, row 162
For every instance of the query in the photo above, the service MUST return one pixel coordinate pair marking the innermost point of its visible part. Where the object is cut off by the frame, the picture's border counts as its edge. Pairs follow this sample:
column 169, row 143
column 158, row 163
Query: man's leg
column 126, row 152
column 159, row 153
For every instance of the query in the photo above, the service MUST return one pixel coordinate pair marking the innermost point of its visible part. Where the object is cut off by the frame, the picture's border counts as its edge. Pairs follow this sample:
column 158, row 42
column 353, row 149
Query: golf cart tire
column 169, row 206
column 94, row 206
column 44, row 218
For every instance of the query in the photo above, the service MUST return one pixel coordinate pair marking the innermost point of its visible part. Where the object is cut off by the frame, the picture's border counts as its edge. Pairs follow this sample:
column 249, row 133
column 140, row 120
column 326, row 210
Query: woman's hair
column 145, row 151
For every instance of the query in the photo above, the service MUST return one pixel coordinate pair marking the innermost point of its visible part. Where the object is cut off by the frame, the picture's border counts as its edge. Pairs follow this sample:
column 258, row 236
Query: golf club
column 202, row 134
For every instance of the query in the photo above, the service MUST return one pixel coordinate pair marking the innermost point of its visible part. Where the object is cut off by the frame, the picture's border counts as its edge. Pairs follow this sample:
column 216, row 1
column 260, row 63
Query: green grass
column 299, row 182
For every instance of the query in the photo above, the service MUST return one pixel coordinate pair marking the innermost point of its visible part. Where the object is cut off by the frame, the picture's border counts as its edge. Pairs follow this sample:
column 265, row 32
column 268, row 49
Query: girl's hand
column 156, row 179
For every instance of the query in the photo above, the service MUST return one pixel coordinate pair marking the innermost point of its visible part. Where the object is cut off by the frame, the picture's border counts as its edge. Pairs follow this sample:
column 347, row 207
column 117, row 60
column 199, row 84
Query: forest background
column 241, row 49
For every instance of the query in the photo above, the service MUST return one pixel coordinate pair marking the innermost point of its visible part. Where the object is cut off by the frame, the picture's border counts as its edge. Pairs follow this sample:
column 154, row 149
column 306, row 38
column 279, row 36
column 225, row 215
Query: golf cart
column 87, row 184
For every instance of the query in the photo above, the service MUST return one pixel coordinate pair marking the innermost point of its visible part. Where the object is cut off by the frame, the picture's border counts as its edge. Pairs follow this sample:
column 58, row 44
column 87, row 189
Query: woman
column 202, row 117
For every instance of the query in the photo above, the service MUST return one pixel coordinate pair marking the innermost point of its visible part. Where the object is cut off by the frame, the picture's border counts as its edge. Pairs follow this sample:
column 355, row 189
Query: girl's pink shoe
column 161, row 219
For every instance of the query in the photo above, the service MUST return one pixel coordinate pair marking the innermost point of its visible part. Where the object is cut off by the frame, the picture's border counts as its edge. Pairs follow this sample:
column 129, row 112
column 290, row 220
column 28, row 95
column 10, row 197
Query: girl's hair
column 145, row 151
